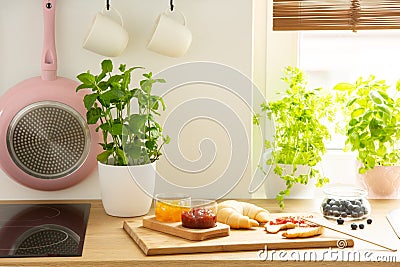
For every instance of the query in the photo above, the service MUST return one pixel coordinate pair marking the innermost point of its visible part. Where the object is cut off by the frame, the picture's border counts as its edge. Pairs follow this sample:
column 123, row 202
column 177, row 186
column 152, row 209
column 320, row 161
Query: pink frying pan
column 44, row 139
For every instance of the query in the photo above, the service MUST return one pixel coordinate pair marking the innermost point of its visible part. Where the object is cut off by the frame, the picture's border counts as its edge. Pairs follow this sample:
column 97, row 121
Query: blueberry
column 369, row 221
column 330, row 212
column 361, row 226
column 354, row 214
column 353, row 226
column 343, row 214
column 350, row 207
column 335, row 207
column 357, row 202
column 336, row 213
column 327, row 207
column 331, row 202
column 340, row 221
column 356, row 208
column 360, row 214
column 341, row 207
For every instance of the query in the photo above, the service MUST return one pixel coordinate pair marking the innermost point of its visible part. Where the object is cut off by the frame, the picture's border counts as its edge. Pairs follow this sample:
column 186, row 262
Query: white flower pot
column 274, row 184
column 127, row 191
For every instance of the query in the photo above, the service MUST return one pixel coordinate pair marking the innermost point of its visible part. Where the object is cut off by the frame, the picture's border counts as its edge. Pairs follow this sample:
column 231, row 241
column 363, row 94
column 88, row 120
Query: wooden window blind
column 294, row 15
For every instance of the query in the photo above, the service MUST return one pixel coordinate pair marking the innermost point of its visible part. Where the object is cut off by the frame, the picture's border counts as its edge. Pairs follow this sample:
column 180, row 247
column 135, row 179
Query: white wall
column 222, row 33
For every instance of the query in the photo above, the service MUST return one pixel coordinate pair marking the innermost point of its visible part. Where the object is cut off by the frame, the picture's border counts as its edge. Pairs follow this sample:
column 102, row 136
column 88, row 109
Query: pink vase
column 382, row 181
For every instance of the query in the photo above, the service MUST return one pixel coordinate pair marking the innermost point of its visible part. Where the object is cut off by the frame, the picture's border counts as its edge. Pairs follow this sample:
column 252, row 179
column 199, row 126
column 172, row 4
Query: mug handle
column 168, row 12
column 116, row 12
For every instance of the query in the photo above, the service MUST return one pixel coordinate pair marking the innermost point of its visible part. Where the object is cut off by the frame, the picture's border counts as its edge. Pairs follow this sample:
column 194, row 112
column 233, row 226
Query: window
column 330, row 57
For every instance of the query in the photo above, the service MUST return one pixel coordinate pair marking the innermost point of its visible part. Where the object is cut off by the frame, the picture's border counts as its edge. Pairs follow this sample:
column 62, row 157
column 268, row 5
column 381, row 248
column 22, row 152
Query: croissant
column 241, row 214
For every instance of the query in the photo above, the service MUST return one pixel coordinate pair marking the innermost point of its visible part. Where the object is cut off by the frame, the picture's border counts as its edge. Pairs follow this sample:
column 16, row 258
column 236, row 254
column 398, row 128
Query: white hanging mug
column 106, row 36
column 170, row 36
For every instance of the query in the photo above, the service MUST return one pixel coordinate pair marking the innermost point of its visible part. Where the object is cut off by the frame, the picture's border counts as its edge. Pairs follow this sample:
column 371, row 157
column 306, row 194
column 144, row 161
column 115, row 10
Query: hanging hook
column 171, row 4
column 108, row 5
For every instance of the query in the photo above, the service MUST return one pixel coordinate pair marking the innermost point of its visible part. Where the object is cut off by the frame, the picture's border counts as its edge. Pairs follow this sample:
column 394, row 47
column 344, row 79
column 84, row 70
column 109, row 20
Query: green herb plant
column 299, row 131
column 372, row 121
column 128, row 139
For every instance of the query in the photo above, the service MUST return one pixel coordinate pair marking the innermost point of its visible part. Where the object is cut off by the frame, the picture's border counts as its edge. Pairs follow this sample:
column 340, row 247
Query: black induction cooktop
column 42, row 230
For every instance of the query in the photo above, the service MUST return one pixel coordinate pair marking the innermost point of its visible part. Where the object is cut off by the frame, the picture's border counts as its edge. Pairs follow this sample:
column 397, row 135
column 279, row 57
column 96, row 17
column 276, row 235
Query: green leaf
column 103, row 156
column 108, row 146
column 344, row 87
column 89, row 100
column 150, row 144
column 115, row 79
column 375, row 97
column 105, row 126
column 126, row 80
column 384, row 109
column 93, row 115
column 155, row 106
column 133, row 151
column 351, row 102
column 116, row 129
column 106, row 66
column 122, row 67
column 357, row 112
column 86, row 78
column 370, row 161
column 100, row 77
column 84, row 86
column 148, row 75
column 137, row 122
column 146, row 86
column 111, row 95
column 121, row 154
column 381, row 151
column 167, row 139
column 362, row 170
column 160, row 80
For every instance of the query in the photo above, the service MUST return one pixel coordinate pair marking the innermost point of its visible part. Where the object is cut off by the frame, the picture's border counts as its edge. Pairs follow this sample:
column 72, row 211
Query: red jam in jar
column 200, row 216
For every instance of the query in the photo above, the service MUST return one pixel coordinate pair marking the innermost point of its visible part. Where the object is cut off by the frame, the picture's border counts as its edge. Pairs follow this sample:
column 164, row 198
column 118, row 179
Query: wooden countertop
column 107, row 244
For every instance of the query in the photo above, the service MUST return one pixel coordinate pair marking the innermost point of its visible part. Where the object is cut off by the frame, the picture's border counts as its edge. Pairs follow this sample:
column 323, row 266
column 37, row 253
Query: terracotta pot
column 127, row 191
column 382, row 181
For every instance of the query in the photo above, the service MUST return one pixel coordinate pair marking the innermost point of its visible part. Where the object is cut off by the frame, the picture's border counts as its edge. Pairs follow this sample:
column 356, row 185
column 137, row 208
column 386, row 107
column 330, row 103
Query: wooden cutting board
column 177, row 229
column 157, row 243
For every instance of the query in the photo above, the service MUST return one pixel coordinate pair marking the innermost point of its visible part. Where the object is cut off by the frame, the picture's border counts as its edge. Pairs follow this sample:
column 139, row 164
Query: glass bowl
column 169, row 206
column 348, row 203
column 201, row 214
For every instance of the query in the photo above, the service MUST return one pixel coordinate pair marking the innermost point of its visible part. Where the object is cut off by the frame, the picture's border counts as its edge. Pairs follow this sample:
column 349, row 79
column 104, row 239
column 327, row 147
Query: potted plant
column 131, row 142
column 298, row 143
column 372, row 128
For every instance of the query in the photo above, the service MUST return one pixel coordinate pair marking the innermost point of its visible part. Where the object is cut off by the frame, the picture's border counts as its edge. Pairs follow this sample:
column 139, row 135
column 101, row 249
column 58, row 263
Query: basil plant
column 128, row 138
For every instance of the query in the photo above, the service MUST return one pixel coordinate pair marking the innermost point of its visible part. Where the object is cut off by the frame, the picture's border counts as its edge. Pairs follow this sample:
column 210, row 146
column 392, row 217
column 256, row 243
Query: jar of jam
column 202, row 214
column 169, row 206
column 346, row 202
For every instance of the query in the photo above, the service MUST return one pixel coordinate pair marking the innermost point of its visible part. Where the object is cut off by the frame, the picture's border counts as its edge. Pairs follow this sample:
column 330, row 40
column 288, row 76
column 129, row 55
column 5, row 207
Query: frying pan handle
column 49, row 56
